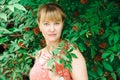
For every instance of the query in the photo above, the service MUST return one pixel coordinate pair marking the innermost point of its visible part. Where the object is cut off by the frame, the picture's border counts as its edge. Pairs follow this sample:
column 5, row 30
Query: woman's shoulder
column 74, row 48
column 71, row 47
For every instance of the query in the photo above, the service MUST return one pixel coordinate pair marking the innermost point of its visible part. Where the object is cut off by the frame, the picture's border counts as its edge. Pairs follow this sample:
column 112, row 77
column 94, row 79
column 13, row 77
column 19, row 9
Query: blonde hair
column 50, row 11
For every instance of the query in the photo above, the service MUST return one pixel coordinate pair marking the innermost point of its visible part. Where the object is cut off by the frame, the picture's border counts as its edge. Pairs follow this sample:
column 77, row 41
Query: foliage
column 63, row 54
column 93, row 25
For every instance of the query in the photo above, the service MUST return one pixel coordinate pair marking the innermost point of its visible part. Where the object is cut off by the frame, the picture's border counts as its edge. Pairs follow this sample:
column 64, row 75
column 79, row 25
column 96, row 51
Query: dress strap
column 38, row 54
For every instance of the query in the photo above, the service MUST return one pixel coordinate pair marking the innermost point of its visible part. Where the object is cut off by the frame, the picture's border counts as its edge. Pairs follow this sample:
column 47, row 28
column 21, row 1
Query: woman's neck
column 52, row 45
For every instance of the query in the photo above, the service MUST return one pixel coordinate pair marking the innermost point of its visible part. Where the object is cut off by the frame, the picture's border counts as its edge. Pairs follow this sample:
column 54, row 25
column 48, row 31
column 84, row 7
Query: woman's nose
column 52, row 28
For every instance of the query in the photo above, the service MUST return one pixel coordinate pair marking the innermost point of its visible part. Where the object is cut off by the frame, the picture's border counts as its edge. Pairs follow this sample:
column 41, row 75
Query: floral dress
column 39, row 71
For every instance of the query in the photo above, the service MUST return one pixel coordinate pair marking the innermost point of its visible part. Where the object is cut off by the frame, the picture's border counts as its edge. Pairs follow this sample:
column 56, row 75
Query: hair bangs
column 51, row 15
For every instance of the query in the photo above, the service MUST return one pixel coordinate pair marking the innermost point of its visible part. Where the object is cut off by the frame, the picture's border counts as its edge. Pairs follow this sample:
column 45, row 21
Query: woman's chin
column 53, row 40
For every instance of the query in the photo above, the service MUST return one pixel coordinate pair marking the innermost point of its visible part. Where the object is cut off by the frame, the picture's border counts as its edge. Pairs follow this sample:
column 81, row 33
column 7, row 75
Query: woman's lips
column 51, row 34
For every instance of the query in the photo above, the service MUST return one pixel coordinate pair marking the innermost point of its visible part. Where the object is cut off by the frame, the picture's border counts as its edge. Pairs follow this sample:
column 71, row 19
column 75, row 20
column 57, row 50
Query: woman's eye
column 46, row 24
column 57, row 23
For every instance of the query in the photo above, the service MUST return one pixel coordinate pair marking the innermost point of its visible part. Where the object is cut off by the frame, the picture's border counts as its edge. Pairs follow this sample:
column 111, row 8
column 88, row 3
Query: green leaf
column 99, row 71
column 64, row 57
column 112, row 57
column 29, row 61
column 114, row 76
column 115, row 28
column 3, row 16
column 2, row 77
column 69, row 56
column 118, row 71
column 82, row 47
column 106, row 54
column 110, row 38
column 50, row 62
column 55, row 51
column 58, row 60
column 4, row 39
column 103, row 78
column 73, row 55
column 11, row 7
column 107, row 66
column 107, row 21
column 13, row 1
column 14, row 46
column 116, row 38
column 74, row 39
column 4, row 30
column 1, row 57
column 71, row 49
column 2, row 1
column 19, row 6
column 68, row 66
column 83, row 32
column 28, row 36
column 113, row 48
column 93, row 52
column 118, row 53
column 106, row 34
column 19, row 75
column 14, row 75
column 92, row 74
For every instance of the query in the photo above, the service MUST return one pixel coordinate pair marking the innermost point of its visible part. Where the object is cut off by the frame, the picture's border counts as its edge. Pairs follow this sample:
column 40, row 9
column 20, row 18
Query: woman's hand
column 53, row 75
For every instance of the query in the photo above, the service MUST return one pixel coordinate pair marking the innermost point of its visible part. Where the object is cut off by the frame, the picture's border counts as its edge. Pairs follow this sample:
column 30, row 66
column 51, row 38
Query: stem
column 13, row 35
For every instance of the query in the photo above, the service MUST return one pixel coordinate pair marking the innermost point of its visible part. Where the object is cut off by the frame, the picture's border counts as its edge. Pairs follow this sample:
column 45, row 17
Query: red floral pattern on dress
column 39, row 72
column 63, row 71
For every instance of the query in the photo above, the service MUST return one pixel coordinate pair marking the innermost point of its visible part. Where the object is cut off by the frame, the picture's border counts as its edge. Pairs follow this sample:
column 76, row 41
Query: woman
column 50, row 20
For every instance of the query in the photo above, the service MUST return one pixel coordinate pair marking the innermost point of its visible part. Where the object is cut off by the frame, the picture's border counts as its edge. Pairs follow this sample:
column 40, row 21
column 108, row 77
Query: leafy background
column 93, row 25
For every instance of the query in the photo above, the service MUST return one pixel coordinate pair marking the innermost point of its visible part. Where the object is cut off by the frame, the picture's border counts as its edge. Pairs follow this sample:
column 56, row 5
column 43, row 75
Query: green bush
column 93, row 25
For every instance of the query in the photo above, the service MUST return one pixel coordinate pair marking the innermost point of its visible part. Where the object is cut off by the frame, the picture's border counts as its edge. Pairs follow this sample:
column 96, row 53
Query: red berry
column 36, row 30
column 26, row 28
column 103, row 45
column 76, row 13
column 83, row 1
column 75, row 28
column 20, row 44
column 101, row 31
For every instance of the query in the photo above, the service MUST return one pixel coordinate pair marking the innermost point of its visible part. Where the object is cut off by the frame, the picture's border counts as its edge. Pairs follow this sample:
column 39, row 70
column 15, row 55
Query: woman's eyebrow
column 45, row 21
column 58, row 20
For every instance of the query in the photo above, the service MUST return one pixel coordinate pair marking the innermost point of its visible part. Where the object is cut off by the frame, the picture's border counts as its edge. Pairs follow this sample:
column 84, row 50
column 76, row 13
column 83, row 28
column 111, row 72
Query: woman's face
column 51, row 29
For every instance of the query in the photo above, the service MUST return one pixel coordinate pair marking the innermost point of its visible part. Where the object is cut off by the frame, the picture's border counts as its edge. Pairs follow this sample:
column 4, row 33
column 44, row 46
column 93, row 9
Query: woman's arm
column 79, row 70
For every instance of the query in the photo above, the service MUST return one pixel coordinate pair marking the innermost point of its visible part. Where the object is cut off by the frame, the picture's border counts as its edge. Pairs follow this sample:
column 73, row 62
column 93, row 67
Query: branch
column 33, row 57
column 13, row 35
